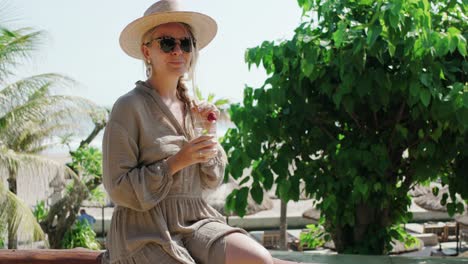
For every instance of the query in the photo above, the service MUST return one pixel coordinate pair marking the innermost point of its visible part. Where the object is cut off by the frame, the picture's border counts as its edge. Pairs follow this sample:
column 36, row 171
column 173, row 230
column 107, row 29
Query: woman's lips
column 176, row 62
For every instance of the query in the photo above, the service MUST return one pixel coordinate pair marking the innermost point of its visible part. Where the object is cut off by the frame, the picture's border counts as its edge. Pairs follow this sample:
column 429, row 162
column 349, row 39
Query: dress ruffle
column 135, row 233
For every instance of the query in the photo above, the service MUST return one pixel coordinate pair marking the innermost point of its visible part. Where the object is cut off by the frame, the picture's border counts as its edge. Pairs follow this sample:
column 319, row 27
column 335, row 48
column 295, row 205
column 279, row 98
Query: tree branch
column 98, row 126
column 397, row 121
column 330, row 135
column 355, row 119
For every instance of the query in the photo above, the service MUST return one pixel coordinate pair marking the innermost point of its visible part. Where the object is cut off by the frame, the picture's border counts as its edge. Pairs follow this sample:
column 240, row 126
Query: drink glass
column 204, row 127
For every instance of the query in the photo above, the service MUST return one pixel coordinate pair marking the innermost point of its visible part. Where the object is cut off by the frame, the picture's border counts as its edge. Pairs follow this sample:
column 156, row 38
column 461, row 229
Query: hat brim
column 204, row 29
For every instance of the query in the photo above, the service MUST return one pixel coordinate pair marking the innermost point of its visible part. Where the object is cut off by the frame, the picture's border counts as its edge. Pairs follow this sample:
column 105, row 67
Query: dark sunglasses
column 168, row 44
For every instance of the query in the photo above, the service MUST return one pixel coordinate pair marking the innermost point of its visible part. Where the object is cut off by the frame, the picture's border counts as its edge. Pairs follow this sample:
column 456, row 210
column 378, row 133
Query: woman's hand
column 204, row 108
column 198, row 150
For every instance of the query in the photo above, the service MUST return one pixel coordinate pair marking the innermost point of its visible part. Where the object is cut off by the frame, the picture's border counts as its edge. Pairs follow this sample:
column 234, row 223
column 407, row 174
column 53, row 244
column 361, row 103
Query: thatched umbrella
column 424, row 198
column 312, row 213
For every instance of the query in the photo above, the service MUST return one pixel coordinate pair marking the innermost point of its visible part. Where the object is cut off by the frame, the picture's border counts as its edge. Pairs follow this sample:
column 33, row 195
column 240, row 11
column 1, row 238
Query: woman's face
column 175, row 62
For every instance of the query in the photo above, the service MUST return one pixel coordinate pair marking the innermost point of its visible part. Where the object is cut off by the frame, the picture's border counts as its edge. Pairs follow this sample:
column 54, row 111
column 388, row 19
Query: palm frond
column 47, row 112
column 22, row 221
column 33, row 140
column 30, row 164
column 8, row 159
column 16, row 46
column 36, row 86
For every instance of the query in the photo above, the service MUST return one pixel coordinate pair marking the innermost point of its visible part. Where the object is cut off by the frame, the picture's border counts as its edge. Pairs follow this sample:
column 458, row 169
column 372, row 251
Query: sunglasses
column 168, row 44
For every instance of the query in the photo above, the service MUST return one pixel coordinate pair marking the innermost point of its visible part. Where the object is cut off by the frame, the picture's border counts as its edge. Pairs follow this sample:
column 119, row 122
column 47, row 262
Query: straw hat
column 162, row 12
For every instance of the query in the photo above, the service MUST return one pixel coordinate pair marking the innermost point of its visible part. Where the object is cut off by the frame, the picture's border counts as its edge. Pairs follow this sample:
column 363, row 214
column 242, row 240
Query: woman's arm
column 129, row 184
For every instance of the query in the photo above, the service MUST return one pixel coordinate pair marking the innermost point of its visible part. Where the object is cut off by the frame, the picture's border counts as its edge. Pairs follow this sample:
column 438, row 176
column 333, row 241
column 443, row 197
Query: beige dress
column 158, row 218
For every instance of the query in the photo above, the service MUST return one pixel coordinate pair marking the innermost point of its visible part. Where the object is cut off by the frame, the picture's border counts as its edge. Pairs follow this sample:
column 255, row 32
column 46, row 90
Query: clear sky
column 82, row 42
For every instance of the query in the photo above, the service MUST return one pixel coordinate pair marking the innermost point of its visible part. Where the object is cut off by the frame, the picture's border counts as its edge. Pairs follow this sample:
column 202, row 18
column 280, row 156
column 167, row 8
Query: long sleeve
column 129, row 184
column 212, row 172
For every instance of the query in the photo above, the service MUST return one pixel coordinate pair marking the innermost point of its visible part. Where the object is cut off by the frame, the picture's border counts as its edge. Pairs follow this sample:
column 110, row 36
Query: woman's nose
column 176, row 50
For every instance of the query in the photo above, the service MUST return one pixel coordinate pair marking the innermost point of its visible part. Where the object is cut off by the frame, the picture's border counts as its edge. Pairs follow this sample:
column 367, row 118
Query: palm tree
column 15, row 215
column 31, row 115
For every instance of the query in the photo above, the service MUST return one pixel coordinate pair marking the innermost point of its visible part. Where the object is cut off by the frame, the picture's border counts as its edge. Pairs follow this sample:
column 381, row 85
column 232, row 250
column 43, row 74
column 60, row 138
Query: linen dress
column 158, row 218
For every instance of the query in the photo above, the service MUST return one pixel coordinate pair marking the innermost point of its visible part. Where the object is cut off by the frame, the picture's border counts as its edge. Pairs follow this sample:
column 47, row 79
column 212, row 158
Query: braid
column 182, row 93
column 184, row 97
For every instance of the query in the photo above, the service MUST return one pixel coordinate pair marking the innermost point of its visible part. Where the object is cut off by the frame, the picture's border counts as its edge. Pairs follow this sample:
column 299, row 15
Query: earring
column 149, row 69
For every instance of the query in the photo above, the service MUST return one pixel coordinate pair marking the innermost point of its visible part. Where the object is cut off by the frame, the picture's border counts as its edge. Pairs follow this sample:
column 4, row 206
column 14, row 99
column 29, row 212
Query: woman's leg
column 241, row 249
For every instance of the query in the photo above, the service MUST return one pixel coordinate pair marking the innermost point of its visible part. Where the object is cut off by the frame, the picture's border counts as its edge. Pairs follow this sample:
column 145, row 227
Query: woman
column 154, row 166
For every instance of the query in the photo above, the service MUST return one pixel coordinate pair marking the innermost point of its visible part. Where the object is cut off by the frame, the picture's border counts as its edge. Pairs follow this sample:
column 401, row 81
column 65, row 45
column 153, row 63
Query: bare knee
column 256, row 255
column 262, row 256
column 241, row 249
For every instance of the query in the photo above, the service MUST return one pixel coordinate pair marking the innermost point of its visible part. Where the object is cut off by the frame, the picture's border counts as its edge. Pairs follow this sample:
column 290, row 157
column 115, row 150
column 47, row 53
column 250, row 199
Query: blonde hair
column 182, row 91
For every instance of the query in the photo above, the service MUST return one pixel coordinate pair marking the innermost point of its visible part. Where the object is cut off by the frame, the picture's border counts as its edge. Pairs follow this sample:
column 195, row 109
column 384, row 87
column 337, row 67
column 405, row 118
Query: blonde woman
column 155, row 168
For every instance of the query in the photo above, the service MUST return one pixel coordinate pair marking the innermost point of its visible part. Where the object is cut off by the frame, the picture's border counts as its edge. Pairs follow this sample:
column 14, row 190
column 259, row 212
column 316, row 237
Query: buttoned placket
column 178, row 127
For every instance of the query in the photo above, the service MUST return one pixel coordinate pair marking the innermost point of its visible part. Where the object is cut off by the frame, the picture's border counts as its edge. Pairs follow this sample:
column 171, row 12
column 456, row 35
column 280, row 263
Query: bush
column 81, row 235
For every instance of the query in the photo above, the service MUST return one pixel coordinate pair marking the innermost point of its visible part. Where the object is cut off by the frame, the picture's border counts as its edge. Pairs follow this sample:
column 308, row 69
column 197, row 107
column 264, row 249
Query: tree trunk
column 368, row 220
column 283, row 243
column 62, row 214
column 12, row 230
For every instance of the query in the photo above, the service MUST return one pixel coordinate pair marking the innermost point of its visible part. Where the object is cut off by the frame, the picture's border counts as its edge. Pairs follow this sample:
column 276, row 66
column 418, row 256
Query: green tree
column 32, row 113
column 365, row 101
column 87, row 165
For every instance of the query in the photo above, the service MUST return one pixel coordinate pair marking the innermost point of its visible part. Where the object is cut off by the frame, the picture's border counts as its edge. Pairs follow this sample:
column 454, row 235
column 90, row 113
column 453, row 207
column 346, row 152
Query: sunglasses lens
column 167, row 44
column 186, row 44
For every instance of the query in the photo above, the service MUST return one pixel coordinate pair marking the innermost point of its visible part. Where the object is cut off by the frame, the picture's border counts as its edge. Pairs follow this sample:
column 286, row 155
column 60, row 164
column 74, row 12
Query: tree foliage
column 31, row 114
column 82, row 235
column 367, row 99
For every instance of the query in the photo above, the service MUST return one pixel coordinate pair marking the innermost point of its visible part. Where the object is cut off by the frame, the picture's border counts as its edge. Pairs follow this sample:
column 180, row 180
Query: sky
column 82, row 42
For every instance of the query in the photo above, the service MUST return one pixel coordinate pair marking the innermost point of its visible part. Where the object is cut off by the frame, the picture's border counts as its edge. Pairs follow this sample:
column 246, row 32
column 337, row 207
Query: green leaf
column 244, row 181
column 268, row 179
column 451, row 208
column 453, row 38
column 283, row 189
column 391, row 49
column 425, row 97
column 465, row 99
column 241, row 201
column 373, row 33
column 329, row 201
column 462, row 46
column 444, row 199
column 394, row 20
column 425, row 79
column 402, row 130
column 366, row 2
column 231, row 201
column 338, row 35
column 257, row 193
column 377, row 187
column 441, row 45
